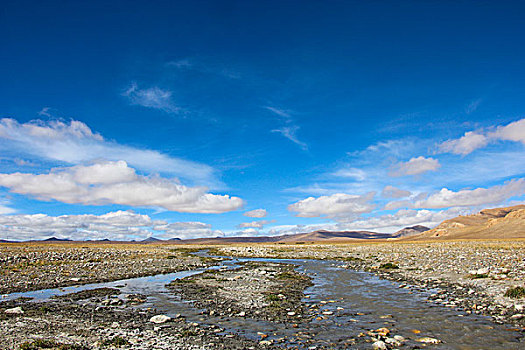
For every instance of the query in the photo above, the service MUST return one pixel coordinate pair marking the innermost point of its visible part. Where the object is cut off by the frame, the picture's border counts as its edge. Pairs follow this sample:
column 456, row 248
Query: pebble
column 160, row 319
column 15, row 311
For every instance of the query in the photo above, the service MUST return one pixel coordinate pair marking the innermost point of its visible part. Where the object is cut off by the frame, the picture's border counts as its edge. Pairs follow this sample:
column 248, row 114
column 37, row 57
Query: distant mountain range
column 498, row 223
column 316, row 236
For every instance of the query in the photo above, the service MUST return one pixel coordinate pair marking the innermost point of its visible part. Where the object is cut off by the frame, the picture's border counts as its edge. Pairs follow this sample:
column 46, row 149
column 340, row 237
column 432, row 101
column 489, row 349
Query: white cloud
column 339, row 206
column 464, row 145
column 385, row 223
column 479, row 196
column 513, row 132
column 76, row 143
column 257, row 213
column 256, row 224
column 117, row 225
column 290, row 133
column 415, row 166
column 153, row 97
column 394, row 192
column 116, row 183
column 473, row 140
column 187, row 230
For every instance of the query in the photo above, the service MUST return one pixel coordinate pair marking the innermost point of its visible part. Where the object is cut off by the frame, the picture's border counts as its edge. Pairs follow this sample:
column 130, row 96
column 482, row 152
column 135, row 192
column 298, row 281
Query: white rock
column 291, row 313
column 15, row 311
column 429, row 340
column 160, row 319
column 379, row 345
column 241, row 314
column 482, row 271
column 513, row 317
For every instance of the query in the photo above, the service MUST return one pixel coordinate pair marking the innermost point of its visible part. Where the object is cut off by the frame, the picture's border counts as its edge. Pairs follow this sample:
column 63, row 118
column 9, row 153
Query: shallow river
column 360, row 301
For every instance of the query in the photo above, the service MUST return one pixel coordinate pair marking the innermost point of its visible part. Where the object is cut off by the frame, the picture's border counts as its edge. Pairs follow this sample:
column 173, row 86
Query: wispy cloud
column 280, row 112
column 45, row 112
column 76, row 143
column 473, row 106
column 289, row 129
column 197, row 65
column 290, row 133
column 153, row 97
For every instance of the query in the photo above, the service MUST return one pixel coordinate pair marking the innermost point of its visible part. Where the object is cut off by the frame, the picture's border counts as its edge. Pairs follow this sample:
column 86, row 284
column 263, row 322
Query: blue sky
column 179, row 119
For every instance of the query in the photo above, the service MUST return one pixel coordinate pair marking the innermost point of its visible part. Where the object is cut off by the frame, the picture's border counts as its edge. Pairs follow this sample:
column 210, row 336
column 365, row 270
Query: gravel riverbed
column 471, row 277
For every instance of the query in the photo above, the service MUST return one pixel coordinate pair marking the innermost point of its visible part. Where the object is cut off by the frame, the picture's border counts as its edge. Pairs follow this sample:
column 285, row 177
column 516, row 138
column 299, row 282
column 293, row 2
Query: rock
column 379, row 345
column 383, row 331
column 428, row 340
column 241, row 314
column 160, row 319
column 15, row 311
column 513, row 317
column 291, row 313
column 265, row 342
column 399, row 338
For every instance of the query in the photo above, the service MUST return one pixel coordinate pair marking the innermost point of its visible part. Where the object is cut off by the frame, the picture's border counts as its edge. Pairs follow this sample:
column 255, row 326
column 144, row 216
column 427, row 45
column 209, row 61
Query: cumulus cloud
column 153, row 97
column 186, row 230
column 256, row 224
column 339, row 206
column 76, row 143
column 257, row 213
column 415, row 166
column 464, row 145
column 479, row 196
column 116, row 183
column 117, row 225
column 394, row 192
column 513, row 132
column 473, row 140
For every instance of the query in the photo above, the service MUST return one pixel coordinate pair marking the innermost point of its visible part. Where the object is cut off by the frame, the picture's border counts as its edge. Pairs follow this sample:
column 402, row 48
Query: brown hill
column 487, row 224
column 410, row 231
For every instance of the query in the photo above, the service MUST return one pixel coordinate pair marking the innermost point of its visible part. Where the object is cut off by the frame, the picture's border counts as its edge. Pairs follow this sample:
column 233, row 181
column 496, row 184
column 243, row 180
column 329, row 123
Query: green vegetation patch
column 117, row 341
column 516, row 292
column 50, row 344
column 388, row 266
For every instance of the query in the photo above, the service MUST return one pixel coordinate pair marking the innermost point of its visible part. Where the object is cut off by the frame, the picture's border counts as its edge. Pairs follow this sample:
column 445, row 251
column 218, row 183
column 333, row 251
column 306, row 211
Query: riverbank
column 473, row 276
column 105, row 320
column 26, row 267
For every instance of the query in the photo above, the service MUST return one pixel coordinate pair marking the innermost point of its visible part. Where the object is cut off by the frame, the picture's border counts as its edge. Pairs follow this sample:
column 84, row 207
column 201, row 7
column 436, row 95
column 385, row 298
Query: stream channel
column 360, row 302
